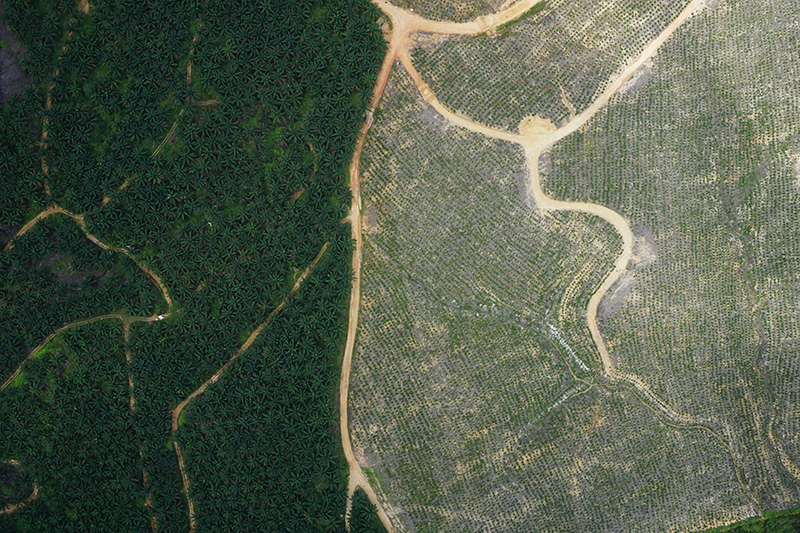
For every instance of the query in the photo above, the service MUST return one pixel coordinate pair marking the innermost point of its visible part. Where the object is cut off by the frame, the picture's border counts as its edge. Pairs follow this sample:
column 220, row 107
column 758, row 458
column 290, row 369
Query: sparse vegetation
column 598, row 456
column 453, row 10
column 557, row 59
column 702, row 162
column 473, row 323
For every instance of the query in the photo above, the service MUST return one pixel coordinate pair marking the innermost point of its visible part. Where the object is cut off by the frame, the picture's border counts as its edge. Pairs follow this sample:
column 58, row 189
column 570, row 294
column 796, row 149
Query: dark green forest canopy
column 209, row 140
column 364, row 516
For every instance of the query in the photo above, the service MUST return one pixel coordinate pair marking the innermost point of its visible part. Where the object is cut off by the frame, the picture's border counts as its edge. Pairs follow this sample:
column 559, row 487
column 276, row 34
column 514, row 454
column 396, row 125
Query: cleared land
column 465, row 413
column 451, row 10
column 552, row 64
column 426, row 355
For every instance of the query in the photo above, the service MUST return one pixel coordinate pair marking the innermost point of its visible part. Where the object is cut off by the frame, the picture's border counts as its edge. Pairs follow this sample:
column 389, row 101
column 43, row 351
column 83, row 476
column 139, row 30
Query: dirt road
column 535, row 146
column 356, row 476
column 405, row 21
column 538, row 135
column 126, row 320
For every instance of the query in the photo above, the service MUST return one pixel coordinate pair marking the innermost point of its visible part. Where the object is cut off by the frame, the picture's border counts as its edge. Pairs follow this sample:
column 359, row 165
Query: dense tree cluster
column 363, row 516
column 118, row 88
column 16, row 484
column 256, row 108
column 40, row 26
column 67, row 423
column 21, row 190
column 263, row 447
column 54, row 275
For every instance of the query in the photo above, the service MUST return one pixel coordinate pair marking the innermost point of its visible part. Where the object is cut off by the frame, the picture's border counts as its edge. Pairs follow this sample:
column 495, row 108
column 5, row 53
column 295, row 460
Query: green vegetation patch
column 529, row 13
column 16, row 484
column 70, row 428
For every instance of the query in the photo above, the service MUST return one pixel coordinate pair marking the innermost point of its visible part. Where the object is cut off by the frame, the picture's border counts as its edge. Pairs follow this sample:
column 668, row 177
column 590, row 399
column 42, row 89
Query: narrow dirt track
column 79, row 219
column 53, row 335
column 176, row 413
column 124, row 185
column 11, row 508
column 52, row 210
column 126, row 321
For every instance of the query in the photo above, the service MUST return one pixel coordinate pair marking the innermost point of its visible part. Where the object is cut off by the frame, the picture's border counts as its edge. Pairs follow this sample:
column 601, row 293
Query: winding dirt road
column 537, row 136
column 80, row 220
column 34, row 494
